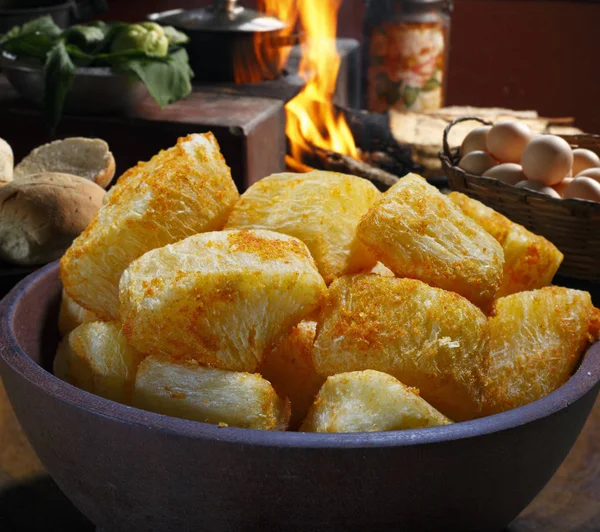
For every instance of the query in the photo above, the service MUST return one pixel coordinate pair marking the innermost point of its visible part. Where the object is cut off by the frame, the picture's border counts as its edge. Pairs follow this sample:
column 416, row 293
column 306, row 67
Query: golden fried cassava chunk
column 96, row 358
column 182, row 191
column 537, row 339
column 289, row 368
column 320, row 208
column 426, row 337
column 190, row 391
column 71, row 315
column 530, row 261
column 369, row 401
column 221, row 298
column 419, row 233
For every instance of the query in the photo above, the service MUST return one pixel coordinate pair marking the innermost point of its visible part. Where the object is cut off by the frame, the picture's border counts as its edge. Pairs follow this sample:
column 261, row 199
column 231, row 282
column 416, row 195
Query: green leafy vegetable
column 146, row 51
column 59, row 72
column 34, row 45
column 42, row 26
column 85, row 37
column 148, row 37
column 167, row 81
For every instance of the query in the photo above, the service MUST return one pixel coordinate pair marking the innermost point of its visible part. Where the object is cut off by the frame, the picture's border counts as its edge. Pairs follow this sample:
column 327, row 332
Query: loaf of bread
column 6, row 163
column 87, row 158
column 41, row 215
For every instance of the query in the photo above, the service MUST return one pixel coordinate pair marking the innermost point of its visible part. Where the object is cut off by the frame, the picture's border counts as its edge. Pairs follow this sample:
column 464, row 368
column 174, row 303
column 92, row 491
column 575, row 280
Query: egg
column 583, row 188
column 584, row 159
column 476, row 140
column 560, row 188
column 592, row 173
column 538, row 187
column 509, row 173
column 547, row 159
column 477, row 162
column 507, row 140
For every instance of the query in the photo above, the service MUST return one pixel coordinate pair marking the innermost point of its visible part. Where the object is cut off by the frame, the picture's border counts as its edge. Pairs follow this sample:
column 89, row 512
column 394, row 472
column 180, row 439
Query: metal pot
column 95, row 90
column 229, row 43
column 17, row 12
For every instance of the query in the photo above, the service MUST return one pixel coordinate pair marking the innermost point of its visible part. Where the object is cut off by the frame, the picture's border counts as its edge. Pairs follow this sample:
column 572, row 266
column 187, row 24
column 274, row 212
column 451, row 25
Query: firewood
column 337, row 162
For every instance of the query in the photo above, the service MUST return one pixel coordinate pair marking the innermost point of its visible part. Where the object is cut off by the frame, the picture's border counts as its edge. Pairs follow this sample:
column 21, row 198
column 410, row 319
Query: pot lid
column 223, row 15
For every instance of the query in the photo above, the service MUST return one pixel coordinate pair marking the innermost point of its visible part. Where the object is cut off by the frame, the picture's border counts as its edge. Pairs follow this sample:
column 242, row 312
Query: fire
column 311, row 116
column 271, row 51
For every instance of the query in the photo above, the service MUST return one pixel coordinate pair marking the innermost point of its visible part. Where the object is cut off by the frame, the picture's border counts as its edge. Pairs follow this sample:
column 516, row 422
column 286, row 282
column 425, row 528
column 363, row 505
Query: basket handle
column 458, row 121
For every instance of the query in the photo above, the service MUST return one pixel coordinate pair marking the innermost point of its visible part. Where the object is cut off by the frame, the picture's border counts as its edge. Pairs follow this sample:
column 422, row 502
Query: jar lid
column 222, row 16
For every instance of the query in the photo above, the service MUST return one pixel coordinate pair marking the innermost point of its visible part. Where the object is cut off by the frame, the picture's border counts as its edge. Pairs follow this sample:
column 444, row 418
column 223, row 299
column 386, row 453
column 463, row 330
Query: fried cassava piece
column 426, row 337
column 369, row 401
column 320, row 208
column 182, row 191
column 71, row 315
column 537, row 339
column 290, row 369
column 419, row 233
column 96, row 358
column 530, row 261
column 222, row 298
column 190, row 391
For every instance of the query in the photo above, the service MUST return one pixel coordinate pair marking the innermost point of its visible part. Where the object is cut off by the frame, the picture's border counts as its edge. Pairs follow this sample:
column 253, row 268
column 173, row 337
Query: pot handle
column 82, row 11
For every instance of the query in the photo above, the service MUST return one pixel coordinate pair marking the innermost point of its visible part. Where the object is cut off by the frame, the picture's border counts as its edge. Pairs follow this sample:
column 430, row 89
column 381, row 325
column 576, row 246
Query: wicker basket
column 572, row 225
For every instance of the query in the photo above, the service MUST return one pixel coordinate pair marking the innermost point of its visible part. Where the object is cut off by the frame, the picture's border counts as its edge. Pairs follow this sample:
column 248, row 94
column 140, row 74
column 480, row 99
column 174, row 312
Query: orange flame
column 311, row 117
column 270, row 51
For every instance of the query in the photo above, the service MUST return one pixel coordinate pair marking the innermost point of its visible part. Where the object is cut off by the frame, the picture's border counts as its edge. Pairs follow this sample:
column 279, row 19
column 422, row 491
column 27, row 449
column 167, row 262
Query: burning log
column 372, row 134
column 337, row 162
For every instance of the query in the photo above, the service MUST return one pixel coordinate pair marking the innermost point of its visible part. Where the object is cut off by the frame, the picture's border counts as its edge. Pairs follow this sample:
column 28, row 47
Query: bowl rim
column 11, row 354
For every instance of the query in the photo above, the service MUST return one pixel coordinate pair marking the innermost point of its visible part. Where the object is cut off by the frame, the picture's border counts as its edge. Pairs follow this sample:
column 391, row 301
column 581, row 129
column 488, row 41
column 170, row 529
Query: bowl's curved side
column 132, row 470
column 94, row 90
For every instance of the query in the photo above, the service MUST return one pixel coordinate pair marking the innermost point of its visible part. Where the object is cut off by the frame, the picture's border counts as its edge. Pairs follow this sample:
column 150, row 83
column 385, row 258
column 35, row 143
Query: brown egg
column 538, row 187
column 583, row 188
column 592, row 173
column 561, row 187
column 477, row 162
column 584, row 159
column 507, row 140
column 547, row 159
column 509, row 173
column 476, row 140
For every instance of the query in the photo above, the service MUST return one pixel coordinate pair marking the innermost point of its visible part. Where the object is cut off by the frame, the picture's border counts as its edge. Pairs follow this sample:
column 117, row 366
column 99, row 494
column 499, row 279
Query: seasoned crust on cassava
column 182, row 191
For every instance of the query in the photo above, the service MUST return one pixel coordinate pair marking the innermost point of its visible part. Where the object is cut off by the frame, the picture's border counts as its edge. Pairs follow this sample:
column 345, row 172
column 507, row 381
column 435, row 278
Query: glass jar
column 405, row 54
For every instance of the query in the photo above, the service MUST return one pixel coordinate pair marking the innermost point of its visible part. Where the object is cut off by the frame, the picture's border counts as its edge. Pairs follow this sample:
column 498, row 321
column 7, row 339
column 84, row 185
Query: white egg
column 507, row 140
column 592, row 173
column 477, row 162
column 476, row 140
column 584, row 159
column 509, row 173
column 547, row 159
column 538, row 187
column 583, row 188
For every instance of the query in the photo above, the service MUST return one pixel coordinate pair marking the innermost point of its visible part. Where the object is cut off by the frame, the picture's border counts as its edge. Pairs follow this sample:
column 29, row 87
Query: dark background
column 520, row 54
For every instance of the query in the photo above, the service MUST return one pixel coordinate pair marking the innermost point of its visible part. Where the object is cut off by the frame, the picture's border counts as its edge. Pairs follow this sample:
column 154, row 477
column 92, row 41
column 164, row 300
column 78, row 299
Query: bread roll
column 87, row 158
column 40, row 215
column 6, row 163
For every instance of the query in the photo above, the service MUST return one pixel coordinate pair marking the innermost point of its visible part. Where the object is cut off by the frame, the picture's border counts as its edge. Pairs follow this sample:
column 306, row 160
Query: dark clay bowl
column 130, row 470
